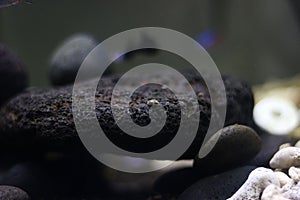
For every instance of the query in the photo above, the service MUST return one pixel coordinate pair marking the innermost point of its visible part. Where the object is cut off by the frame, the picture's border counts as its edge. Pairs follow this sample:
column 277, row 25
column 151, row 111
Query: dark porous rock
column 13, row 78
column 220, row 186
column 44, row 119
column 236, row 145
column 12, row 193
column 67, row 59
column 270, row 145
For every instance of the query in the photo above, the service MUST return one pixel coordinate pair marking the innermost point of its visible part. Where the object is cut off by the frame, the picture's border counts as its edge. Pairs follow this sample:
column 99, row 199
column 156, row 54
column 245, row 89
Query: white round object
column 275, row 115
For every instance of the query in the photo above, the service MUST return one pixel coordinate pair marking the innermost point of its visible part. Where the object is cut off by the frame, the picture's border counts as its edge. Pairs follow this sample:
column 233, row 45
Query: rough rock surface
column 257, row 181
column 43, row 118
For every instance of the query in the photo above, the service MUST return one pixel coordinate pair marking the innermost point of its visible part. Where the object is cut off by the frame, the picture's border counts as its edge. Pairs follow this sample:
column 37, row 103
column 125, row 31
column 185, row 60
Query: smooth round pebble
column 236, row 145
column 12, row 193
column 218, row 187
column 13, row 76
column 68, row 58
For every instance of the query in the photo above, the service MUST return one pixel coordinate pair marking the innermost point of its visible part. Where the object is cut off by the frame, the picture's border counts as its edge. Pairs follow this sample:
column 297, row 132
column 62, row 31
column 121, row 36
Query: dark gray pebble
column 13, row 77
column 43, row 118
column 236, row 145
column 12, row 193
column 218, row 187
column 68, row 57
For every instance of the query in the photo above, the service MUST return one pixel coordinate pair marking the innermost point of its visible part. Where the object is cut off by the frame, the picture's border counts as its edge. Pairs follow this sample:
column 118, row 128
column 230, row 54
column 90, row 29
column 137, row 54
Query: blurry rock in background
column 277, row 107
column 253, row 40
column 68, row 57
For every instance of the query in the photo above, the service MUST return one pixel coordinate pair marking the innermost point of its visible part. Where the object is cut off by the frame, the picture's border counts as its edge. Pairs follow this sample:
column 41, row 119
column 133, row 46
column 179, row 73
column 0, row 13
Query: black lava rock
column 220, row 186
column 12, row 193
column 236, row 145
column 44, row 118
column 13, row 78
column 67, row 59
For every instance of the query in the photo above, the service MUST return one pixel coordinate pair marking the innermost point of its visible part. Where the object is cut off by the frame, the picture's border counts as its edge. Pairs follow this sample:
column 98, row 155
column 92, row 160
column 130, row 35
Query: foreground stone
column 12, row 193
column 42, row 119
column 236, row 145
column 270, row 145
column 217, row 187
column 66, row 177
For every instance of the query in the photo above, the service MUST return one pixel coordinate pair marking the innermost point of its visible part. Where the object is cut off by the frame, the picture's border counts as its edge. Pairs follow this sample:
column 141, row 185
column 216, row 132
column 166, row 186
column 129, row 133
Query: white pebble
column 297, row 144
column 283, row 178
column 285, row 145
column 286, row 158
column 272, row 192
column 294, row 173
column 257, row 181
column 291, row 191
column 287, row 187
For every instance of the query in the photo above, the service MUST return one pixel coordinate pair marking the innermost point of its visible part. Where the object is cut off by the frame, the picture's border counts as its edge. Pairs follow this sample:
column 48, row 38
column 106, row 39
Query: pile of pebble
column 42, row 157
column 281, row 184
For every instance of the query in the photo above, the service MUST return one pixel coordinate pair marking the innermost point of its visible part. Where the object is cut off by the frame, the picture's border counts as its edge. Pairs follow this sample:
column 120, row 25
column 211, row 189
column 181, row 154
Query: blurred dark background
column 255, row 40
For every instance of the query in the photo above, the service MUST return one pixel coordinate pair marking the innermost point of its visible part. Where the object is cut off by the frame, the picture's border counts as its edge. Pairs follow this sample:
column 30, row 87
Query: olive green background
column 258, row 39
